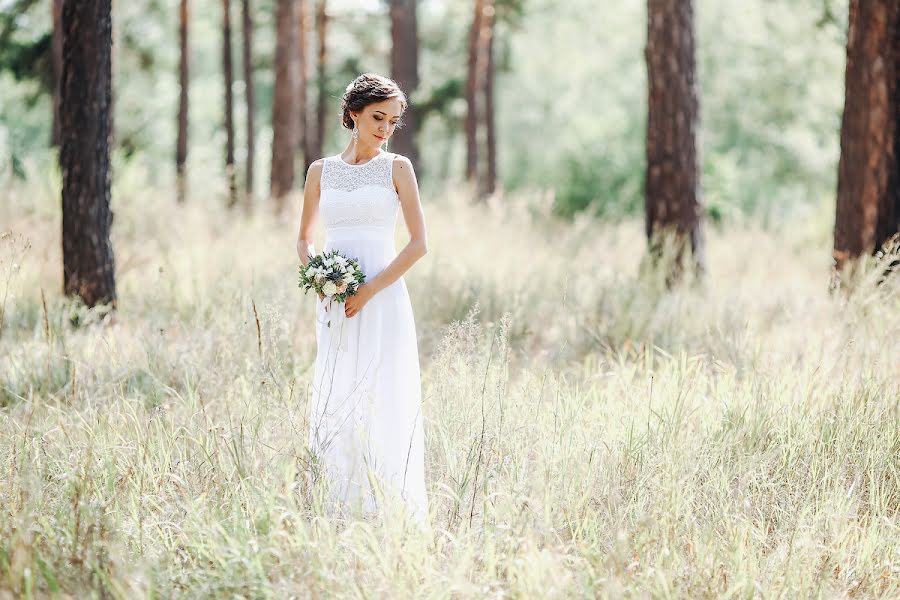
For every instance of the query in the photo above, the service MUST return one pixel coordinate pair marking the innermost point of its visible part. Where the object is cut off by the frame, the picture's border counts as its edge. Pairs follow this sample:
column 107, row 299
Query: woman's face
column 377, row 121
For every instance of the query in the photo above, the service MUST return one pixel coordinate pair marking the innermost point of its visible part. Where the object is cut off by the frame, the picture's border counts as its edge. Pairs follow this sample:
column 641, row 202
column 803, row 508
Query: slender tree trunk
column 228, row 70
column 889, row 214
column 405, row 71
column 673, row 197
column 472, row 87
column 868, row 195
column 85, row 125
column 251, row 105
column 490, row 184
column 57, row 66
column 303, row 36
column 184, row 83
column 321, row 78
column 284, row 123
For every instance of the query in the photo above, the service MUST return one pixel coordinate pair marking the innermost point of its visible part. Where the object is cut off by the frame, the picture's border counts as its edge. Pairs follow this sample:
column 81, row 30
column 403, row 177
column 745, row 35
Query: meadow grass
column 589, row 433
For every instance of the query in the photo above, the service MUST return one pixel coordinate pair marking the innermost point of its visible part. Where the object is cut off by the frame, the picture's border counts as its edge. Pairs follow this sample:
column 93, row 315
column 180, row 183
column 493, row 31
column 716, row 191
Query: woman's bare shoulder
column 402, row 161
column 314, row 172
column 403, row 168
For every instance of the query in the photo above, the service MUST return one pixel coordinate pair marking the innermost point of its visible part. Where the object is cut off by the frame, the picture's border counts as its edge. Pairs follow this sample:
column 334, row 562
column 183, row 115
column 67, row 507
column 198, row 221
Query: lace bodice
column 358, row 195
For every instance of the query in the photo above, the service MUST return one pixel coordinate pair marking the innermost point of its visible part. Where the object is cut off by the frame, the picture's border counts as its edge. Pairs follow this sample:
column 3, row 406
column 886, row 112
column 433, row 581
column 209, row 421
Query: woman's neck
column 360, row 154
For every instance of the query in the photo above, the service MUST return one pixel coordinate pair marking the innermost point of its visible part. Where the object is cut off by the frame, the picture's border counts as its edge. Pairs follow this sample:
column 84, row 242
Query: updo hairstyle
column 367, row 89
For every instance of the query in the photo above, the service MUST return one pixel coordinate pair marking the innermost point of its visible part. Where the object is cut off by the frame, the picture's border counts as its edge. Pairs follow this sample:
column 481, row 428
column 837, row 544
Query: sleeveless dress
column 366, row 424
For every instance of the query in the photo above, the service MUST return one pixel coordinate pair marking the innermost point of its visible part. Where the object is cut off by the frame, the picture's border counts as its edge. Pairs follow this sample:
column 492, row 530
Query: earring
column 355, row 134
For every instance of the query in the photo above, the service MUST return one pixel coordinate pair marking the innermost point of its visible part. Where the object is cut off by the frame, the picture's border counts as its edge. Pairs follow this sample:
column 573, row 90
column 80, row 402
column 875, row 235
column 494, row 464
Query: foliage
column 571, row 95
column 771, row 92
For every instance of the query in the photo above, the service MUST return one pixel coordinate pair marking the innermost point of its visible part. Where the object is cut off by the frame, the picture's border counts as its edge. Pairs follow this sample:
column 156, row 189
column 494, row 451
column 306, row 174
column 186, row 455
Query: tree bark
column 249, row 96
column 303, row 35
column 490, row 26
column 85, row 126
column 321, row 78
column 181, row 149
column 405, row 71
column 472, row 87
column 868, row 195
column 57, row 43
column 284, row 122
column 228, row 70
column 672, row 195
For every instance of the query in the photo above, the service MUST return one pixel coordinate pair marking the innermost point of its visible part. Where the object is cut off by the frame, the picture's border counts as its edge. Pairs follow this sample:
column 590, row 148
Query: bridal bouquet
column 333, row 275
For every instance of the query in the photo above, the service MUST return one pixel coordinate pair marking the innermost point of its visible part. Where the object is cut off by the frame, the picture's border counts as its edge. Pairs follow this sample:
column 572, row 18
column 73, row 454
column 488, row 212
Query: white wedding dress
column 366, row 424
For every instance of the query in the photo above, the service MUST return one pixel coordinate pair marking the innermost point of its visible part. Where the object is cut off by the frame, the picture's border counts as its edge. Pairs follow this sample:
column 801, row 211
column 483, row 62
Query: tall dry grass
column 588, row 433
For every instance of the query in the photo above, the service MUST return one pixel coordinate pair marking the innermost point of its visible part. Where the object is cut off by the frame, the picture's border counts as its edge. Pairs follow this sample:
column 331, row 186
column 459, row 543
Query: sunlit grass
column 589, row 434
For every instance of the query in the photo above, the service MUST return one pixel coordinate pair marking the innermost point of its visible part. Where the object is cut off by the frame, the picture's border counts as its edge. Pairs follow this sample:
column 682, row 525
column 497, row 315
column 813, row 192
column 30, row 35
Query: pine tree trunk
column 321, row 78
column 181, row 149
column 868, row 198
column 85, row 126
column 490, row 183
column 673, row 197
column 228, row 70
column 57, row 67
column 251, row 104
column 284, row 123
column 472, row 87
column 303, row 35
column 405, row 71
column 889, row 214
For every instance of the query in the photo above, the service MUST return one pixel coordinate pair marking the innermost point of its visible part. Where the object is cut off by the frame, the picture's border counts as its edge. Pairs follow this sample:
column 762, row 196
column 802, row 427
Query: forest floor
column 588, row 432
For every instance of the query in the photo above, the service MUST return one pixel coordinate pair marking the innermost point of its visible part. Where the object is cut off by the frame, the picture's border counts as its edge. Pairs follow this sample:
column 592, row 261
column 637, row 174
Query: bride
column 366, row 425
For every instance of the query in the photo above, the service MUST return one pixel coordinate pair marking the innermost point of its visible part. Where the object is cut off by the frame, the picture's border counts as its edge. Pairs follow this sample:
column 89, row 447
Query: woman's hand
column 354, row 303
column 305, row 263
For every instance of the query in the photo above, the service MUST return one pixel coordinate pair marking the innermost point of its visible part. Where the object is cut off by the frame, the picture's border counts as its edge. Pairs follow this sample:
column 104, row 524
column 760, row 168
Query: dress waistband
column 360, row 232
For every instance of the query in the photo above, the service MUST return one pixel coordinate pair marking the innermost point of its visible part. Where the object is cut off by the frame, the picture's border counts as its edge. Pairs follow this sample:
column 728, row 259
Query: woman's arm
column 411, row 205
column 305, row 245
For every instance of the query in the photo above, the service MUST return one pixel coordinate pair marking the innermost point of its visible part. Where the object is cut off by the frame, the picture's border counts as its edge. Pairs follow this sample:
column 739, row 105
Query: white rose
column 329, row 289
column 348, row 277
column 329, row 262
column 342, row 287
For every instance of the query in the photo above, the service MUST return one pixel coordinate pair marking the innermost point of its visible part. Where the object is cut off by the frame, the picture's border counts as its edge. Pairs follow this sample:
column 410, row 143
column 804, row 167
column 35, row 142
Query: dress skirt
column 366, row 423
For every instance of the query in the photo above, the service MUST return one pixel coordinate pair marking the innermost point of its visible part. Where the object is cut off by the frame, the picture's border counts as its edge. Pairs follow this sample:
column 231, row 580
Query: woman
column 366, row 425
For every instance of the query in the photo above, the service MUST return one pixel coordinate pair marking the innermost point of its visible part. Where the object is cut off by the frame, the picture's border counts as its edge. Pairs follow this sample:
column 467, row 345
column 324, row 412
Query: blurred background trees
column 569, row 94
column 85, row 125
column 286, row 102
column 672, row 193
column 183, row 98
column 249, row 96
column 614, row 116
column 868, row 193
column 405, row 71
column 228, row 72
